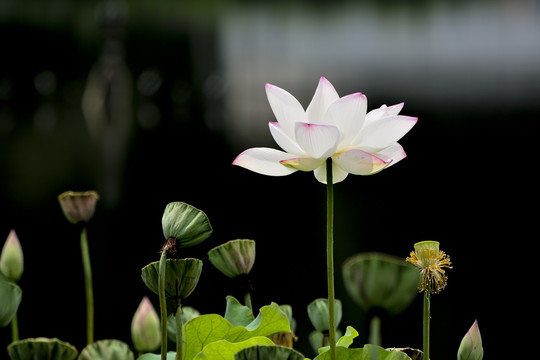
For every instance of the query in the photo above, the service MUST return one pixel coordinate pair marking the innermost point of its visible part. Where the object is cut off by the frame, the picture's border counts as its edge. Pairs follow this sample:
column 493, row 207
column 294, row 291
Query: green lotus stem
column 330, row 257
column 426, row 323
column 88, row 287
column 163, row 304
column 247, row 301
column 14, row 328
column 375, row 330
column 179, row 333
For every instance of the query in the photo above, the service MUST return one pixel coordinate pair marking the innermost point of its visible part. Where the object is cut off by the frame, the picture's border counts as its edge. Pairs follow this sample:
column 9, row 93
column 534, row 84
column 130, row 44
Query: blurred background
column 150, row 102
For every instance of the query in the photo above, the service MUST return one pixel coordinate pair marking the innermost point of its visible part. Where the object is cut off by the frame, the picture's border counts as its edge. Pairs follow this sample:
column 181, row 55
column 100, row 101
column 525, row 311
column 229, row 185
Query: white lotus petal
column 359, row 162
column 338, row 174
column 324, row 96
column 383, row 111
column 303, row 164
column 393, row 154
column 384, row 132
column 318, row 141
column 283, row 140
column 347, row 114
column 264, row 161
column 286, row 108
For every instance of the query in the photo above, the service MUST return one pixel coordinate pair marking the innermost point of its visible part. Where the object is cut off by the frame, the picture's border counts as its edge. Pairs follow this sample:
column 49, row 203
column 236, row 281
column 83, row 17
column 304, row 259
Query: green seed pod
column 318, row 314
column 11, row 258
column 233, row 258
column 380, row 280
column 41, row 348
column 107, row 350
column 78, row 207
column 181, row 277
column 186, row 224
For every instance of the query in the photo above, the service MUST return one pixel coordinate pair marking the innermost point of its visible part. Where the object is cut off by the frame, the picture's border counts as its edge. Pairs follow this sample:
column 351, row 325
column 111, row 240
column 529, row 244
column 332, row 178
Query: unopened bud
column 471, row 345
column 11, row 258
column 145, row 327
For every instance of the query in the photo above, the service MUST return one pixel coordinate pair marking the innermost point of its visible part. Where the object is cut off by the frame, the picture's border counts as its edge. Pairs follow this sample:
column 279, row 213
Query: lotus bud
column 318, row 314
column 78, row 207
column 376, row 280
column 11, row 258
column 471, row 345
column 145, row 327
column 181, row 277
column 233, row 258
column 185, row 224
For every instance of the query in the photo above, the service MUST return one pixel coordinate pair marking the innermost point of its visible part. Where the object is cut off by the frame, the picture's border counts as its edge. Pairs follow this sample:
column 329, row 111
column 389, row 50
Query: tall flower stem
column 88, row 287
column 163, row 304
column 330, row 257
column 426, row 323
column 179, row 333
column 14, row 328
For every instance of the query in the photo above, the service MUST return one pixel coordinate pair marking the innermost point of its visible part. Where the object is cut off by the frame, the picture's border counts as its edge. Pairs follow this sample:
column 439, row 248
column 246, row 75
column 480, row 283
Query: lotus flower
column 358, row 142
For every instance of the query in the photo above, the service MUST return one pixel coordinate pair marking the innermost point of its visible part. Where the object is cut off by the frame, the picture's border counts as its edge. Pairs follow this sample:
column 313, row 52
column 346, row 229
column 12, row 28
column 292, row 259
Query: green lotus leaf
column 344, row 341
column 10, row 299
column 264, row 352
column 188, row 225
column 380, row 280
column 107, row 350
column 238, row 314
column 42, row 349
column 206, row 329
column 225, row 350
column 368, row 352
column 181, row 277
column 171, row 355
column 188, row 313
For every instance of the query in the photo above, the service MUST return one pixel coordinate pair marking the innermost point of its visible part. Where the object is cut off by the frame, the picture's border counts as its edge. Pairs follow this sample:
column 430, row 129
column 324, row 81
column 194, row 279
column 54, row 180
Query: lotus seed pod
column 376, row 280
column 234, row 258
column 181, row 277
column 318, row 314
column 186, row 224
column 78, row 207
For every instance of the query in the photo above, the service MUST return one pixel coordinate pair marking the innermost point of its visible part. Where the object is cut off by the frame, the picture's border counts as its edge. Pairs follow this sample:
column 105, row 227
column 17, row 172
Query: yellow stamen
column 431, row 261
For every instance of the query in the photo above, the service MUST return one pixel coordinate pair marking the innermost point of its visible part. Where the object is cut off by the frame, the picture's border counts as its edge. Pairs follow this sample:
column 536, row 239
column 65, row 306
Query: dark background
column 187, row 95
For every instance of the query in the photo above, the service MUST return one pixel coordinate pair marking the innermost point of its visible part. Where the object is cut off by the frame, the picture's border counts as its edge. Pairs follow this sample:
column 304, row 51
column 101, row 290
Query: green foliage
column 206, row 329
column 107, row 350
column 10, row 299
column 263, row 352
column 344, row 341
column 170, row 356
column 368, row 352
column 188, row 225
column 238, row 314
column 225, row 350
column 42, row 349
